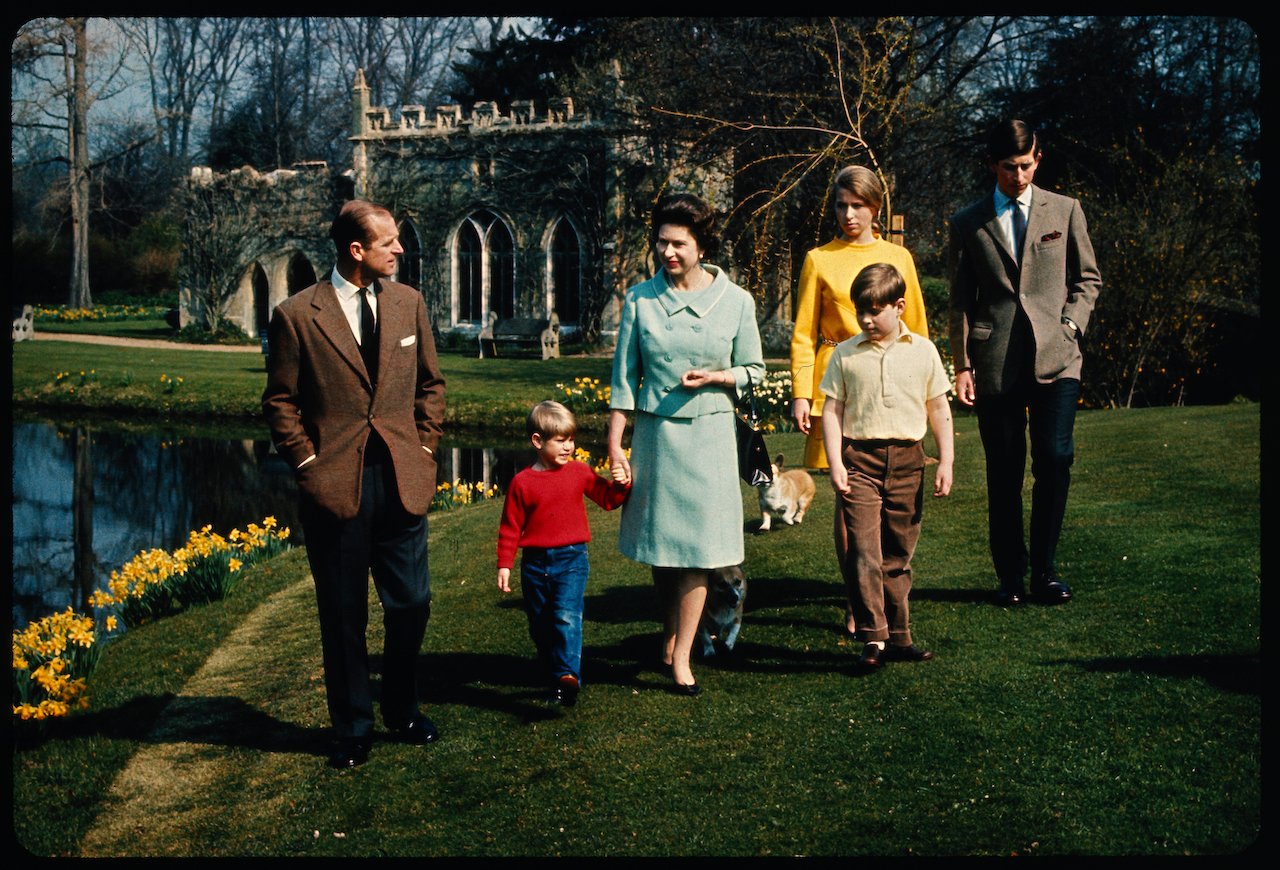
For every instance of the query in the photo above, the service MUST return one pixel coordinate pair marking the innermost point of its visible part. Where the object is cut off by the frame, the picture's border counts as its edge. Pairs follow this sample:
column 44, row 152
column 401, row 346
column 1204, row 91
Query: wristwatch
column 1069, row 322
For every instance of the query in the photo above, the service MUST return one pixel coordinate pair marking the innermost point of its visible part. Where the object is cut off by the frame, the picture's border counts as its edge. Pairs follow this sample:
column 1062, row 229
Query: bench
column 541, row 333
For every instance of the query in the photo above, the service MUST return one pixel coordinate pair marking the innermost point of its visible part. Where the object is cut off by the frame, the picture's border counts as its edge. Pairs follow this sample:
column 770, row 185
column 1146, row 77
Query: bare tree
column 52, row 58
column 188, row 61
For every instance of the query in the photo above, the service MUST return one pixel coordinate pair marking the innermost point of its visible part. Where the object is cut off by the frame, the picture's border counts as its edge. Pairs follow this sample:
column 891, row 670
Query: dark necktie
column 1019, row 230
column 368, row 337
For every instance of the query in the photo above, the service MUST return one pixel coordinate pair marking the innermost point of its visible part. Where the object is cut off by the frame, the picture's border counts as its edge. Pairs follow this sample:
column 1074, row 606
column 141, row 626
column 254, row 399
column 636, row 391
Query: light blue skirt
column 685, row 507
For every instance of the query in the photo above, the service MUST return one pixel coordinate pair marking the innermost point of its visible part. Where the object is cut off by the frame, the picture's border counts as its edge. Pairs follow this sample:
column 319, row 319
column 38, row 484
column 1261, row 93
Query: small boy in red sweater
column 544, row 515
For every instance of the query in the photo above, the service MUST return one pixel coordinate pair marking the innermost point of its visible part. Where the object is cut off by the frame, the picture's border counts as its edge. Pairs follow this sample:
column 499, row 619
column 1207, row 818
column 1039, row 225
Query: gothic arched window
column 566, row 272
column 470, row 279
column 409, row 269
column 485, row 279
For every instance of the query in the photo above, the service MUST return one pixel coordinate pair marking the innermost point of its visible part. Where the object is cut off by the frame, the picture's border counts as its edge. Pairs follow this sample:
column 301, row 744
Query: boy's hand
column 942, row 480
column 840, row 478
column 504, row 579
column 620, row 469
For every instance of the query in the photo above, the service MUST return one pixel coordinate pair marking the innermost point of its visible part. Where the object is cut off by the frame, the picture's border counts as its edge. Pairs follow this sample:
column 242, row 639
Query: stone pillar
column 359, row 122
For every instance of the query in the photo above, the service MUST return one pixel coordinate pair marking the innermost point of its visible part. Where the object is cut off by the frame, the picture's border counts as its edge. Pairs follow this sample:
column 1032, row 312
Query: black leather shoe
column 419, row 731
column 1050, row 590
column 1010, row 594
column 688, row 691
column 911, row 653
column 872, row 656
column 349, row 753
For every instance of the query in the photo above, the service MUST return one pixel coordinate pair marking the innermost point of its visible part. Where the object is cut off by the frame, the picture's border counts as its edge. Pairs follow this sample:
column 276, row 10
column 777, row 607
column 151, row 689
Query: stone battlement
column 377, row 122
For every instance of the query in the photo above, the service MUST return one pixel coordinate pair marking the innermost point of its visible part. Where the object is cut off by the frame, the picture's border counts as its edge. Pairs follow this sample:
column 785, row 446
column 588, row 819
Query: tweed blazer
column 318, row 399
column 664, row 333
column 1059, row 278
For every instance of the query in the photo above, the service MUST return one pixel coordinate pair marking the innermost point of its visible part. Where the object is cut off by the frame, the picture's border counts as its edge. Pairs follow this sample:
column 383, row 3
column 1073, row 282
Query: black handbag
column 754, row 465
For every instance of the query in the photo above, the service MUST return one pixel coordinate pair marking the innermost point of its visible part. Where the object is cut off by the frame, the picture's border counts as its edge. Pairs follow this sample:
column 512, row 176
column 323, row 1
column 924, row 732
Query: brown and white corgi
column 788, row 496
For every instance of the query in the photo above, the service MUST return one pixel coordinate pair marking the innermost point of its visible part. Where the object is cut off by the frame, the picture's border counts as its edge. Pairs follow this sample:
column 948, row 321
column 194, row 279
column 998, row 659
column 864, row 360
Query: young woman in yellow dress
column 824, row 312
column 825, row 315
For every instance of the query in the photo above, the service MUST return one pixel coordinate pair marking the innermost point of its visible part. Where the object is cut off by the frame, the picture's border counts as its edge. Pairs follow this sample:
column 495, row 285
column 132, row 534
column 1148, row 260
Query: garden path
column 142, row 342
column 217, row 732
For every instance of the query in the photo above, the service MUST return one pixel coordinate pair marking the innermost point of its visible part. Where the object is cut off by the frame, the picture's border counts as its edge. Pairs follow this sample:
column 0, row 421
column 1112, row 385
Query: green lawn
column 492, row 393
column 1127, row 722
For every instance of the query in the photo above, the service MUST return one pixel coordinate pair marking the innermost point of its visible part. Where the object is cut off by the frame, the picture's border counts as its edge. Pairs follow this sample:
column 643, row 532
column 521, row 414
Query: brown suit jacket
column 318, row 398
column 1059, row 278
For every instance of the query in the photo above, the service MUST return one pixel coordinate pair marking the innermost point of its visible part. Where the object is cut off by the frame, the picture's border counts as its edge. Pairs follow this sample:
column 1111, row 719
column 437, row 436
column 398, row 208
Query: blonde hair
column 550, row 420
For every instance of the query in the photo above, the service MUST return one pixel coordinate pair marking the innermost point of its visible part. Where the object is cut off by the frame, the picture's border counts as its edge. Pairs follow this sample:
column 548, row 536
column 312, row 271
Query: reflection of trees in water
column 236, row 482
column 86, row 500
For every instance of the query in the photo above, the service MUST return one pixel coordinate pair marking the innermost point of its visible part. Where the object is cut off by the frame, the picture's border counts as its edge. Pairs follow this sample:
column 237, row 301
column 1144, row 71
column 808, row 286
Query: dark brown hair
column 1009, row 139
column 688, row 211
column 876, row 286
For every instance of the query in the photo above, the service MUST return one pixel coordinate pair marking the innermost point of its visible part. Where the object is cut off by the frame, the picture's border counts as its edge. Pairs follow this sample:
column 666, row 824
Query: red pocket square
column 1051, row 236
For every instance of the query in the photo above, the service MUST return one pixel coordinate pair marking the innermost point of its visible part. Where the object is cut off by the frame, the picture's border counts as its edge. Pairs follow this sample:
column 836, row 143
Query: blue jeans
column 553, row 582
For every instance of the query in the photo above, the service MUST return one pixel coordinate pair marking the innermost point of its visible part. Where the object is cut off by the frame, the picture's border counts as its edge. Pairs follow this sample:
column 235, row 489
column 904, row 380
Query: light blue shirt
column 1004, row 213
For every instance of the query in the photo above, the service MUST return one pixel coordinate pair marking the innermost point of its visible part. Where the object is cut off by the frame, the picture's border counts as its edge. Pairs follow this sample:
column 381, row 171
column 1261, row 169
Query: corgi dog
column 722, row 614
column 788, row 496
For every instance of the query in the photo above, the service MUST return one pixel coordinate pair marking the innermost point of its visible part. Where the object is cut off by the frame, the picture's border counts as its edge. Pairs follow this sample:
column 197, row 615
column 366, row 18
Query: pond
column 89, row 496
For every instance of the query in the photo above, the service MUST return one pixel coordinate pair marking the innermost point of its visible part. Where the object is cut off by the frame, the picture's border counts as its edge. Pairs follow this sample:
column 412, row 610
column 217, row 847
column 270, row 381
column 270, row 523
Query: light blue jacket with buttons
column 665, row 332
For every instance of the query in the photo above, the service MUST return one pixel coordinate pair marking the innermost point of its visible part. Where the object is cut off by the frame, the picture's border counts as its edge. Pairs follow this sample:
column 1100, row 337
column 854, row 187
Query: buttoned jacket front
column 664, row 333
column 1058, row 277
column 319, row 399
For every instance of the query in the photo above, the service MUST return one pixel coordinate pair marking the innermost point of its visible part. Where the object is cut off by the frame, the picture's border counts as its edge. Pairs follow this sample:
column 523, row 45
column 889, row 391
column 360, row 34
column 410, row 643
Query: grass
column 491, row 393
column 1125, row 723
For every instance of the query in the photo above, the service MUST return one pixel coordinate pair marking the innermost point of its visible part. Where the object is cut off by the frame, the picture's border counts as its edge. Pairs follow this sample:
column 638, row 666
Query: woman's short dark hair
column 691, row 212
column 353, row 224
column 1010, row 138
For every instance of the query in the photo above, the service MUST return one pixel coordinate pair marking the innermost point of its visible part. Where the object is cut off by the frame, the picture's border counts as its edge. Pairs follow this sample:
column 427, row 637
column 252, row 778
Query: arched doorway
column 301, row 275
column 261, row 299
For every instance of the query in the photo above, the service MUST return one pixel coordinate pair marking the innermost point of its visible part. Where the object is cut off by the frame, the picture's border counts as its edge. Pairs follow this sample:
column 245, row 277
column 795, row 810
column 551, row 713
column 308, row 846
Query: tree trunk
column 78, row 160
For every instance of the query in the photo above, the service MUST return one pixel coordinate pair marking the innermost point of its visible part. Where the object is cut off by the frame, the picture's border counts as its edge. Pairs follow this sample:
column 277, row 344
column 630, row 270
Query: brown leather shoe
column 872, row 656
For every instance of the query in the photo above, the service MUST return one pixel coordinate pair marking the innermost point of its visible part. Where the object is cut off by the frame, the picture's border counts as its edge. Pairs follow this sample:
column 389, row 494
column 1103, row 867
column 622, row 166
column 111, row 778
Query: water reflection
column 88, row 497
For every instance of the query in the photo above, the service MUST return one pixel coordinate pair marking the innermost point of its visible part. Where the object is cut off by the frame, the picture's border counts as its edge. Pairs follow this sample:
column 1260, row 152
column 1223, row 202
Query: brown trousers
column 877, row 526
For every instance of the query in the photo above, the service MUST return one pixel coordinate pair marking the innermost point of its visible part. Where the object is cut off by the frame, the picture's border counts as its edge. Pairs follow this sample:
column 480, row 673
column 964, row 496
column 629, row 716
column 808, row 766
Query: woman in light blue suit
column 687, row 344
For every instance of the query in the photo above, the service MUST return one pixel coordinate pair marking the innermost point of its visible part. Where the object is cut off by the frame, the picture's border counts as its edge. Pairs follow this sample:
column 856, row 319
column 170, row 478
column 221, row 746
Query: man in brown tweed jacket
column 355, row 399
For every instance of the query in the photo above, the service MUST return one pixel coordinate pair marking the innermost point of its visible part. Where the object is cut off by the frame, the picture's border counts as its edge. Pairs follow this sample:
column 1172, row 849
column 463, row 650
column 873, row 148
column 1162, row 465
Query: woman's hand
column 800, row 411
column 697, row 378
column 619, row 467
column 504, row 579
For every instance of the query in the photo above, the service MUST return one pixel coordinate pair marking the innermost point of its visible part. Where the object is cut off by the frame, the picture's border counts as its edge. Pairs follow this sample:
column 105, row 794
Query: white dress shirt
column 349, row 299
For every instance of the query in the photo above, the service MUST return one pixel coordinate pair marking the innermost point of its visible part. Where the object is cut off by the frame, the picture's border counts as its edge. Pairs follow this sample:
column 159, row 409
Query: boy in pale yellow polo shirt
column 882, row 387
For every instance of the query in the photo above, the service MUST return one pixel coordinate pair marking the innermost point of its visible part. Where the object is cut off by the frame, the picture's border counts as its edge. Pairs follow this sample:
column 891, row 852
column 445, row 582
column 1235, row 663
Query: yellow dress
column 825, row 317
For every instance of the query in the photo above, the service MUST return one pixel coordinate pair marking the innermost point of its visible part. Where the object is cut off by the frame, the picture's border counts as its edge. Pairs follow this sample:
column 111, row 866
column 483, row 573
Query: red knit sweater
column 545, row 508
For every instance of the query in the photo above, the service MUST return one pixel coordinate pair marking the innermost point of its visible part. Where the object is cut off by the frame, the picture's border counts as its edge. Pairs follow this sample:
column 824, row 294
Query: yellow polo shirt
column 885, row 389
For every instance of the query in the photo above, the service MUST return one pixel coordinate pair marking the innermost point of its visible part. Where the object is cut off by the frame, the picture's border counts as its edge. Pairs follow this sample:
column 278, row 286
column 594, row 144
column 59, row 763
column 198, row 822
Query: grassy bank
column 1125, row 723
column 67, row 377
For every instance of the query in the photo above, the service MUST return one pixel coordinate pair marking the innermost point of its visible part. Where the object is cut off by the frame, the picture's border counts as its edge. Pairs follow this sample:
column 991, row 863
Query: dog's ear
column 777, row 460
